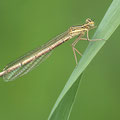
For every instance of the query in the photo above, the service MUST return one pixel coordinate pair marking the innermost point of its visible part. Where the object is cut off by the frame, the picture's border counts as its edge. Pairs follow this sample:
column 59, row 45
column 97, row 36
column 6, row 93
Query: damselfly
column 32, row 59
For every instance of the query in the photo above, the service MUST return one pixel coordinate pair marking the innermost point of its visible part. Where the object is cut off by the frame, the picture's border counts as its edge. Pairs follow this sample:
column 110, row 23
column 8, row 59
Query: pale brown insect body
column 32, row 59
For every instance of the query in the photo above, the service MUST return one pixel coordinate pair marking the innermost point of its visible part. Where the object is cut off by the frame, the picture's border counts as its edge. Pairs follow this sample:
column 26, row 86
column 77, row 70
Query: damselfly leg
column 76, row 41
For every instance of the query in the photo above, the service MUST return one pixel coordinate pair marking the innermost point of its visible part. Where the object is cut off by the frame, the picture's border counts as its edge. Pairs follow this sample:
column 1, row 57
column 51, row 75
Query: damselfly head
column 90, row 22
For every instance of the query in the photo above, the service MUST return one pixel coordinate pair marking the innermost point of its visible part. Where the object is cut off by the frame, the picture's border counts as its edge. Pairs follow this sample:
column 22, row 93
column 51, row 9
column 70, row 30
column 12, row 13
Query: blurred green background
column 26, row 24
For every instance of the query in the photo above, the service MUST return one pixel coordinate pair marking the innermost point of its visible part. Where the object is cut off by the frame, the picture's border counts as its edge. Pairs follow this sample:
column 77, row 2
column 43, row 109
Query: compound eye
column 92, row 24
column 88, row 20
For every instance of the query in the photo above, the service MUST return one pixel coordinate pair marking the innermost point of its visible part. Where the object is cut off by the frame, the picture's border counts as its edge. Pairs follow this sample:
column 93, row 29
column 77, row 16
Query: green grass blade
column 63, row 110
column 108, row 25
